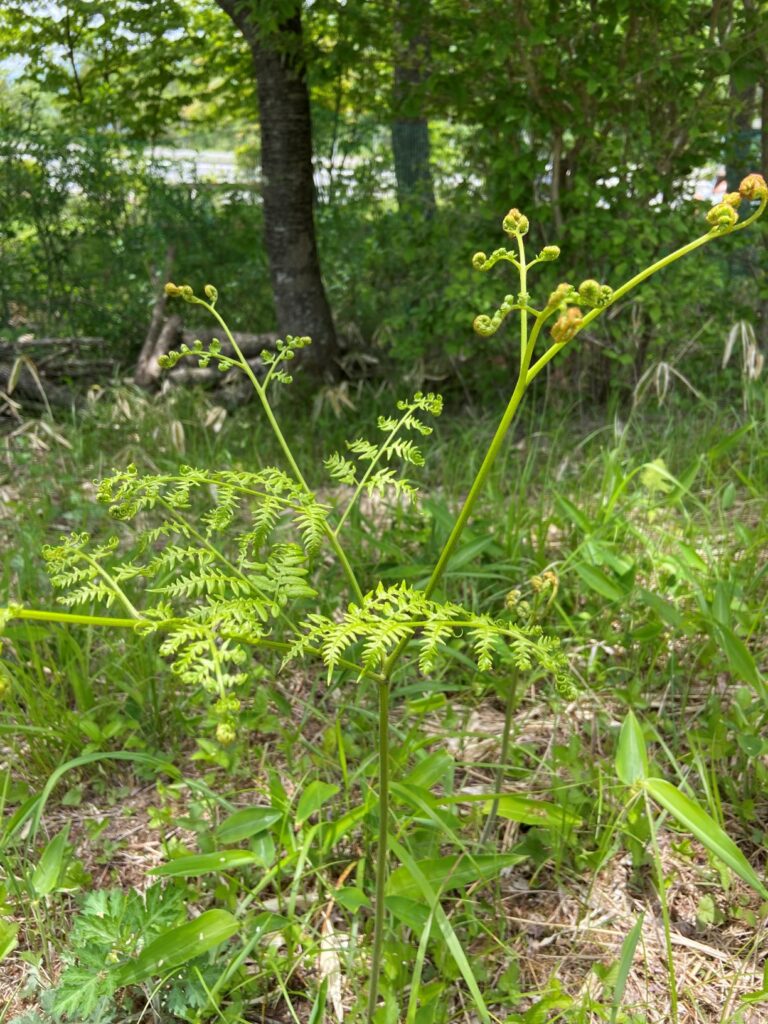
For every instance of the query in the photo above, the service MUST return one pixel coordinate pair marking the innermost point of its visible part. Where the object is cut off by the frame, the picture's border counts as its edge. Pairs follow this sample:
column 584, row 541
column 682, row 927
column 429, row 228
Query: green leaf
column 430, row 770
column 598, row 581
column 352, row 898
column 8, row 941
column 452, row 872
column 740, row 661
column 204, row 863
column 728, row 442
column 178, row 945
column 313, row 798
column 631, row 756
column 575, row 515
column 263, row 849
column 250, row 821
column 346, row 823
column 468, row 553
column 692, row 558
column 412, row 913
column 533, row 812
column 663, row 609
column 604, row 554
column 628, row 947
column 697, row 821
column 51, row 864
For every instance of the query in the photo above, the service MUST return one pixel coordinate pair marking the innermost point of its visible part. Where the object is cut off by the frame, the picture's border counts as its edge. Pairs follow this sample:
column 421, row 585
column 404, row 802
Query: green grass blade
column 418, row 967
column 446, row 929
column 317, row 1014
column 628, row 947
column 697, row 821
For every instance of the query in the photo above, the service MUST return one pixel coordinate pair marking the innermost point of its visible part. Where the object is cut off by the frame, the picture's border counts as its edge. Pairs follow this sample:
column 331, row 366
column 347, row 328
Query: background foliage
column 596, row 120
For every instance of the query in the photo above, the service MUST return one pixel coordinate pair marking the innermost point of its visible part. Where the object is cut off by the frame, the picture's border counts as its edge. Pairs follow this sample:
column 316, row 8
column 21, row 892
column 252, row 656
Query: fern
column 364, row 450
column 210, row 605
column 368, row 475
column 341, row 469
column 390, row 615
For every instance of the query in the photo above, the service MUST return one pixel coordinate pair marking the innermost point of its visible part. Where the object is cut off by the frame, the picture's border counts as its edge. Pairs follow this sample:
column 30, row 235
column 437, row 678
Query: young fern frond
column 82, row 573
column 210, row 607
column 267, row 496
column 485, row 638
column 369, row 475
column 363, row 450
column 390, row 616
column 435, row 636
column 340, row 469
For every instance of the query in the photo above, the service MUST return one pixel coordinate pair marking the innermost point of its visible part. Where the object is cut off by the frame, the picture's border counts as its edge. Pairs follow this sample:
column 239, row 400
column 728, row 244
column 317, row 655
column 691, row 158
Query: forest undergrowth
column 640, row 542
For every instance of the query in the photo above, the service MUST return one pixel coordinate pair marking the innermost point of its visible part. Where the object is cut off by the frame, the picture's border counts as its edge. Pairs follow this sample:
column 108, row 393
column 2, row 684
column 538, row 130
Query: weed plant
column 228, row 560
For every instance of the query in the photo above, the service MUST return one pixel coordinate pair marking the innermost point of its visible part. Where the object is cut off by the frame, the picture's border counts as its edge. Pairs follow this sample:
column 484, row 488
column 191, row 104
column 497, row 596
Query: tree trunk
column 147, row 370
column 410, row 130
column 739, row 150
column 287, row 184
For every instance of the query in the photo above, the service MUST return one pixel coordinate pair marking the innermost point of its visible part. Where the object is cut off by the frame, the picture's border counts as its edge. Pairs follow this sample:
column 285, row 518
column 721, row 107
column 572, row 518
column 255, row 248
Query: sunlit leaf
column 696, row 820
column 631, row 756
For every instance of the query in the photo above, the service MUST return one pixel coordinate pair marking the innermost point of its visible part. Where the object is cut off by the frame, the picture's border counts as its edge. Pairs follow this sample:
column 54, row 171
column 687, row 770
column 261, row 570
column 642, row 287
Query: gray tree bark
column 279, row 65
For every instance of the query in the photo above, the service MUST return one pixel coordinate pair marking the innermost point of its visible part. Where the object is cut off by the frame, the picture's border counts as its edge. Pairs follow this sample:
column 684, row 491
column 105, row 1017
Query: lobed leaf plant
column 228, row 561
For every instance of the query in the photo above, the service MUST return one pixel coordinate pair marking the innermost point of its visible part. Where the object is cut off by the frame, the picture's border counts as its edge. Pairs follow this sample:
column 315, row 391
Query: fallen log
column 26, row 384
column 29, row 341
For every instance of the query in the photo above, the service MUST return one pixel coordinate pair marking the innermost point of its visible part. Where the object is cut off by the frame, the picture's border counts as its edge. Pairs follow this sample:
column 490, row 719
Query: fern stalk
column 382, row 848
column 509, row 710
column 333, row 540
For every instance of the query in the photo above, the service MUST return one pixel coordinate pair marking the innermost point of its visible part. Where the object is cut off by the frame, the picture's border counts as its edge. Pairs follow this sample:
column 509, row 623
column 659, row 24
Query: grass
column 656, row 530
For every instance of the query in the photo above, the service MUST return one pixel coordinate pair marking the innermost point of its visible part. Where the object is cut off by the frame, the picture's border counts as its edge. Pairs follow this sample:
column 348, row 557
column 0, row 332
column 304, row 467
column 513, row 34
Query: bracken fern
column 223, row 561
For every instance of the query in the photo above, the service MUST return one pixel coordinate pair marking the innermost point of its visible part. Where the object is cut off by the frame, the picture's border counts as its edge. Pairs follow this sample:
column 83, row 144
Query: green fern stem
column 382, row 848
column 10, row 612
column 115, row 587
column 297, row 474
column 69, row 618
column 523, row 272
column 490, row 457
column 527, row 345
